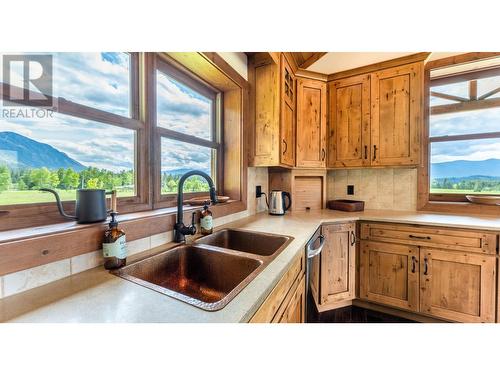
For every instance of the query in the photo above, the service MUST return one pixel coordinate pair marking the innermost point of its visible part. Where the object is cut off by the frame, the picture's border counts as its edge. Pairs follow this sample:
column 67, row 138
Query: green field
column 33, row 196
column 459, row 191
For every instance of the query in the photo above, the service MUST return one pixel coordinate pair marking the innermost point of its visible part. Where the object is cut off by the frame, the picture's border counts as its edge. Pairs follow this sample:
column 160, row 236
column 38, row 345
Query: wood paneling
column 349, row 125
column 396, row 95
column 295, row 311
column 288, row 99
column 457, row 286
column 389, row 274
column 311, row 123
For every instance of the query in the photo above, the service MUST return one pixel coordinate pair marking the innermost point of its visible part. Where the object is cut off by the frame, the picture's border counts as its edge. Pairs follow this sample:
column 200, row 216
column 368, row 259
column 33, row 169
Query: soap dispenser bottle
column 206, row 221
column 114, row 245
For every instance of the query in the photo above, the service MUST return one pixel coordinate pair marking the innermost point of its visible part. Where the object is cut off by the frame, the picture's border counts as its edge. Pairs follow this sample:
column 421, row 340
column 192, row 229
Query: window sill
column 460, row 207
column 30, row 247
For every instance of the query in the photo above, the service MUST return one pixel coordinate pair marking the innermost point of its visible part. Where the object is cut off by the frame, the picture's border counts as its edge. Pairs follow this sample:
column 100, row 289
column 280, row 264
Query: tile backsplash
column 388, row 188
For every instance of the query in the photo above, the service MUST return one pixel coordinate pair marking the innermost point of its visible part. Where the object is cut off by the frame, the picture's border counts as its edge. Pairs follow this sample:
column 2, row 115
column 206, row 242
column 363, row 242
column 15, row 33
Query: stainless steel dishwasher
column 313, row 249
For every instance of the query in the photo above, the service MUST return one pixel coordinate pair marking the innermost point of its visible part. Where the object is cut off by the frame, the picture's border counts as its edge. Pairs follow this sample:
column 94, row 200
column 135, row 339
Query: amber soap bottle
column 206, row 221
column 114, row 245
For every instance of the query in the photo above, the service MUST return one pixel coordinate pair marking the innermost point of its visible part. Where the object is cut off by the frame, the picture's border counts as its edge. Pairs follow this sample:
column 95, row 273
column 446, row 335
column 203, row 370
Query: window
column 464, row 131
column 186, row 122
column 89, row 141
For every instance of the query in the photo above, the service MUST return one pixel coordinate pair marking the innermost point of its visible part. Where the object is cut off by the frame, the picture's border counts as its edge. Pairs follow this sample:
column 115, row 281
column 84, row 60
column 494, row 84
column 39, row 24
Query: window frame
column 26, row 211
column 185, row 77
column 448, row 202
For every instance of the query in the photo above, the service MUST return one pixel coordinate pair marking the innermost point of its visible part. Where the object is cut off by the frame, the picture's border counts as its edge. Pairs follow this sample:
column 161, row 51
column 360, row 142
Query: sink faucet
column 180, row 230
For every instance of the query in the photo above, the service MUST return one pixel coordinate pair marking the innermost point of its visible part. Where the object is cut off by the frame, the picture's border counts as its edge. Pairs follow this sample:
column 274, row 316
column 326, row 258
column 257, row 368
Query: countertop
column 97, row 296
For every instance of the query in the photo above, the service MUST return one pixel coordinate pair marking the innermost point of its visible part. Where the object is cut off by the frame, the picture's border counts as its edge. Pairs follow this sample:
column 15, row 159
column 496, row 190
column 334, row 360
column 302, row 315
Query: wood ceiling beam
column 312, row 59
column 465, row 106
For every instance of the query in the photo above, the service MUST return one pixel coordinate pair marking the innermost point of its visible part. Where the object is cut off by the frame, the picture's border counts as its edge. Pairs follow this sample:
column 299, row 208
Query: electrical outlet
column 350, row 189
column 258, row 191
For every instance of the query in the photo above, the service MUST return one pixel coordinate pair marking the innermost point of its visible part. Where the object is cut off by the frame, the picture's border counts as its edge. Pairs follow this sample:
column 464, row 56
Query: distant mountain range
column 181, row 171
column 18, row 151
column 466, row 168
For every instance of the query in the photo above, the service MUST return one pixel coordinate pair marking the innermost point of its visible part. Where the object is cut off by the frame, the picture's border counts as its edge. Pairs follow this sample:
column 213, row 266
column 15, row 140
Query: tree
column 54, row 179
column 21, row 185
column 94, row 183
column 5, row 179
column 39, row 178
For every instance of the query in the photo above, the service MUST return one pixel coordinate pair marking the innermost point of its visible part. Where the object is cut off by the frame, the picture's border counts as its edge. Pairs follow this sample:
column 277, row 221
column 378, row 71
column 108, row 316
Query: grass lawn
column 458, row 191
column 34, row 196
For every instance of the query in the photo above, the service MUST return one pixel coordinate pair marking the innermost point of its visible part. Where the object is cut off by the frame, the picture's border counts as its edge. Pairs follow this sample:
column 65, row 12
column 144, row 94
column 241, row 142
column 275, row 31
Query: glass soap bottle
column 206, row 221
column 114, row 245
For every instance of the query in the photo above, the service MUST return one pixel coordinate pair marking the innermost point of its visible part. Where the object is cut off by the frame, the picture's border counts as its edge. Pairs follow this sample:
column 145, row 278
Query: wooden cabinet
column 397, row 101
column 286, row 302
column 311, row 123
column 295, row 310
column 376, row 118
column 333, row 272
column 272, row 138
column 457, row 286
column 389, row 274
column 349, row 125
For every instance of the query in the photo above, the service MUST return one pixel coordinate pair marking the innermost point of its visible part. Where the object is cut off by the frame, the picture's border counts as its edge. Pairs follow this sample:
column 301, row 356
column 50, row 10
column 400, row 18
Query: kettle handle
column 286, row 194
column 59, row 204
column 113, row 207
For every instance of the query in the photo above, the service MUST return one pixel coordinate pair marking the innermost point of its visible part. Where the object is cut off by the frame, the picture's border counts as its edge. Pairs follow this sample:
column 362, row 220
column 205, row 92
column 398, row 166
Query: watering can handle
column 59, row 204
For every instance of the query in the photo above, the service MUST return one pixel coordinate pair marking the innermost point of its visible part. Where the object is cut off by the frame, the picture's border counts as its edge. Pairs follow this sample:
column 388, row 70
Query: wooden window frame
column 34, row 214
column 166, row 66
column 455, row 203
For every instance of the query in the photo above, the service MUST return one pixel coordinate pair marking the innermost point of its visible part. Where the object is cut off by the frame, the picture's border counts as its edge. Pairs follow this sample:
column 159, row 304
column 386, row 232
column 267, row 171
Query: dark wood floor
column 350, row 314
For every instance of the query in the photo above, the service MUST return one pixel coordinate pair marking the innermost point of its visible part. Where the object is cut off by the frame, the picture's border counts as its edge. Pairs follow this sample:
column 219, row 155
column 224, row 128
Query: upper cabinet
column 376, row 118
column 273, row 98
column 396, row 96
column 349, row 133
column 311, row 123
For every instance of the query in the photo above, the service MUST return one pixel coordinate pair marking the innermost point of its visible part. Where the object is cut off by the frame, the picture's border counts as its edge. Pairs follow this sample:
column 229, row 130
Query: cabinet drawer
column 267, row 311
column 444, row 238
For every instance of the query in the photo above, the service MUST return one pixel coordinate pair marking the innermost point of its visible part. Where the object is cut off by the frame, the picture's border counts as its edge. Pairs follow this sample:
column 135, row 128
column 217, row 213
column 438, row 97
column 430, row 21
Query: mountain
column 180, row 171
column 18, row 151
column 466, row 168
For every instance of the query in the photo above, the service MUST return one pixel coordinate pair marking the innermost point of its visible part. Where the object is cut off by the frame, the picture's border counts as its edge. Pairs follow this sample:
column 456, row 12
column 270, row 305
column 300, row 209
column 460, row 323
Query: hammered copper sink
column 211, row 272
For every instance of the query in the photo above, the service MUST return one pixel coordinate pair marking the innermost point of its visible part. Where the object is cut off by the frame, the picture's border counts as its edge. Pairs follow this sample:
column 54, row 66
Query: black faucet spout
column 181, row 230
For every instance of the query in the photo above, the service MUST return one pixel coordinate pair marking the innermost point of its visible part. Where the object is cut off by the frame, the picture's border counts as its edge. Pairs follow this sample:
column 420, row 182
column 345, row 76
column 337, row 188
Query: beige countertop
column 97, row 296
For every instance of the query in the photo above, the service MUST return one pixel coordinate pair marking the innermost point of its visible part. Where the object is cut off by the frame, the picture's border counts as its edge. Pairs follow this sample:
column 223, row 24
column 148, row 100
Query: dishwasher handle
column 311, row 253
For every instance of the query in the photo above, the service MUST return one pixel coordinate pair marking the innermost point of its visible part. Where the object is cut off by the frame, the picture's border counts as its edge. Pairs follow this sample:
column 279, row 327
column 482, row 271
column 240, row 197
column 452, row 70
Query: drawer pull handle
column 374, row 152
column 285, row 148
column 366, row 152
column 420, row 237
column 426, row 267
column 413, row 264
column 353, row 238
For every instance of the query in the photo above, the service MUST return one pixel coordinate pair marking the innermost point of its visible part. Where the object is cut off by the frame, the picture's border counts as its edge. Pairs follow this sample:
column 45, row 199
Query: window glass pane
column 178, row 158
column 469, row 122
column 99, row 80
column 63, row 152
column 182, row 109
column 463, row 167
column 460, row 89
column 487, row 85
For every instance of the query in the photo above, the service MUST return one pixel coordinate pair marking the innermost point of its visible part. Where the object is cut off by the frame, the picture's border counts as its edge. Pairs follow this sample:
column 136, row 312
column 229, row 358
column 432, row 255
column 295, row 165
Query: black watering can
column 90, row 205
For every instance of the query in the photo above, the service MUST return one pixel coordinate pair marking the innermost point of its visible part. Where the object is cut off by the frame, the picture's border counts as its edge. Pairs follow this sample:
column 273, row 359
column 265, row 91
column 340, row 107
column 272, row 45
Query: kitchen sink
column 203, row 277
column 258, row 243
column 210, row 272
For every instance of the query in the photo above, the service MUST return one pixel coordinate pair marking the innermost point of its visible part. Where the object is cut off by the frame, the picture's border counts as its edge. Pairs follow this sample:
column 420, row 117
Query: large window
column 464, row 131
column 187, row 122
column 87, row 140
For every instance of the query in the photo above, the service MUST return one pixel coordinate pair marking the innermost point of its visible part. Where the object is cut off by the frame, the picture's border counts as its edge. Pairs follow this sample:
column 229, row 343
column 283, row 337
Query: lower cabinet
column 388, row 274
column 333, row 272
column 457, row 286
column 444, row 284
column 286, row 302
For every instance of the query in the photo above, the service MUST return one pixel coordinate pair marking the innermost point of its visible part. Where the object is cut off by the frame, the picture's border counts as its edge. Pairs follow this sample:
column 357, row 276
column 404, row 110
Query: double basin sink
column 210, row 272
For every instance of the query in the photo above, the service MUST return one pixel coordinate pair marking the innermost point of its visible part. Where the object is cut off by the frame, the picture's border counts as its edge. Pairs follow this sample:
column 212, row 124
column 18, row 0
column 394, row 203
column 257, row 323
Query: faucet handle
column 192, row 218
column 192, row 227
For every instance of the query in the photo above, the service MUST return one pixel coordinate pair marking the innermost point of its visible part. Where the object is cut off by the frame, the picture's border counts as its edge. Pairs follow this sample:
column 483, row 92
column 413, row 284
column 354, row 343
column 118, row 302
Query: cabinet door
column 349, row 122
column 287, row 126
column 396, row 115
column 338, row 263
column 311, row 123
column 295, row 311
column 389, row 274
column 457, row 286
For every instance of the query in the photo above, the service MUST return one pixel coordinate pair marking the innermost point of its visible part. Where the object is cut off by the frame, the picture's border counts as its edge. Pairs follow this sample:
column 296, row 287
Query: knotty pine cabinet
column 376, row 119
column 444, row 273
column 333, row 272
column 311, row 123
column 295, row 310
column 272, row 140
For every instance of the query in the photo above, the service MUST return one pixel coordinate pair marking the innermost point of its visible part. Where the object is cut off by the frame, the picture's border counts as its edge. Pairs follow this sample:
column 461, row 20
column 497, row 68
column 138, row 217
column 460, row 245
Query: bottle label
column 206, row 222
column 116, row 249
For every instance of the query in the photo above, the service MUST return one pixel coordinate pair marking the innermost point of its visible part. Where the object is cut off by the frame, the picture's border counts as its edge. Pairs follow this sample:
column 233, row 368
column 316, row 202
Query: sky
column 102, row 80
